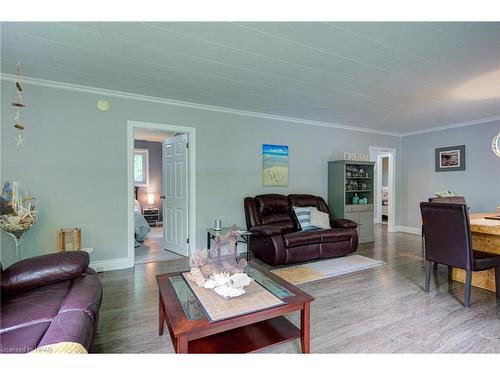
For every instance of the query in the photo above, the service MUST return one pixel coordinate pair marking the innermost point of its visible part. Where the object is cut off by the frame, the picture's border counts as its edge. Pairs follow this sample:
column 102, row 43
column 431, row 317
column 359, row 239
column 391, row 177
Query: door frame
column 191, row 166
column 376, row 154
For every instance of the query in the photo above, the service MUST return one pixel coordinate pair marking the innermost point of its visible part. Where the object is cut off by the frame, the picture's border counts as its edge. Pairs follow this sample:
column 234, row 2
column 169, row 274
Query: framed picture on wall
column 450, row 159
column 274, row 165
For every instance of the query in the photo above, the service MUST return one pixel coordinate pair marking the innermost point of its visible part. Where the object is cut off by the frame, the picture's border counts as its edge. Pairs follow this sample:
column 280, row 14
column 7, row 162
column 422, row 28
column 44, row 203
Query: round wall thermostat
column 102, row 105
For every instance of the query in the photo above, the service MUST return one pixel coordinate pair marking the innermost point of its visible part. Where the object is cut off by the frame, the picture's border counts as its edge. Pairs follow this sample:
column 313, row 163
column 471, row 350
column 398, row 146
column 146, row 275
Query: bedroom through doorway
column 160, row 197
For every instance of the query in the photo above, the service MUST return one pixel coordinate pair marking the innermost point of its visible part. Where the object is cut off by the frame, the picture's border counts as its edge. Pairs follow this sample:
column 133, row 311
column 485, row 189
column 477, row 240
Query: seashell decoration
column 228, row 286
column 19, row 105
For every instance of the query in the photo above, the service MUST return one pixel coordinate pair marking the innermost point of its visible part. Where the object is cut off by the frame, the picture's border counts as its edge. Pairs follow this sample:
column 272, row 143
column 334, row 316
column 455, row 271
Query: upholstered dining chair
column 455, row 199
column 448, row 241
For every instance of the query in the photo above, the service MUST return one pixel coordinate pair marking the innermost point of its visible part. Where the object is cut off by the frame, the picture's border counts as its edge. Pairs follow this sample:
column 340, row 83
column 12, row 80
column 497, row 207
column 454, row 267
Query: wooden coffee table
column 191, row 332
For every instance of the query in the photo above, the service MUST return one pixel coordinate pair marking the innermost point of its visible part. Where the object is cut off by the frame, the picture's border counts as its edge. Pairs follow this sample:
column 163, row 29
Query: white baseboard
column 412, row 230
column 111, row 264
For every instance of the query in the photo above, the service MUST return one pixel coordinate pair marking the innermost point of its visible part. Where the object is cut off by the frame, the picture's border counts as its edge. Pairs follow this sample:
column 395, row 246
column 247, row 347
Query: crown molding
column 207, row 107
column 453, row 126
column 180, row 103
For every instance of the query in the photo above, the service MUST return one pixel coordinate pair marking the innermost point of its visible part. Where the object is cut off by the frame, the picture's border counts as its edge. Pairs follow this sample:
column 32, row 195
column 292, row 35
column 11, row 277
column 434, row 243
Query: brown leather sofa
column 277, row 237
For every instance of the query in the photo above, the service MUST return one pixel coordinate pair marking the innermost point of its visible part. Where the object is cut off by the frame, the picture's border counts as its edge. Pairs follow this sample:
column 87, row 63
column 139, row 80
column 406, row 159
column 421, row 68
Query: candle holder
column 218, row 224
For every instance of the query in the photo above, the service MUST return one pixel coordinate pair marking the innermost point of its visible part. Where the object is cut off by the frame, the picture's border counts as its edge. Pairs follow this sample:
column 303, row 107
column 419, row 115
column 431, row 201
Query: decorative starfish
column 20, row 140
column 27, row 212
column 17, row 116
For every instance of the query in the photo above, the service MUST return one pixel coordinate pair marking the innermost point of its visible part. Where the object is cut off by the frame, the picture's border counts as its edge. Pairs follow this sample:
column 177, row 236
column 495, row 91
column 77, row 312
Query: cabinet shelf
column 342, row 188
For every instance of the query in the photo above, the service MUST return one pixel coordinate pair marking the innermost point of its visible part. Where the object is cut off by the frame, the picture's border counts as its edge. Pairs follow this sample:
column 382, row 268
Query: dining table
column 485, row 230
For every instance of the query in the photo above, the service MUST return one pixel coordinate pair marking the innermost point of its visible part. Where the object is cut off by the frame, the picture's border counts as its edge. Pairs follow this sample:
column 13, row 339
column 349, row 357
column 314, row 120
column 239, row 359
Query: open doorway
column 161, row 182
column 384, row 190
column 384, row 194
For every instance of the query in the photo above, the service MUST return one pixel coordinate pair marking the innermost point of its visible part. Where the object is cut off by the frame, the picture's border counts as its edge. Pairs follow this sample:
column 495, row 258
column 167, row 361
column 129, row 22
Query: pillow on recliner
column 319, row 219
column 304, row 217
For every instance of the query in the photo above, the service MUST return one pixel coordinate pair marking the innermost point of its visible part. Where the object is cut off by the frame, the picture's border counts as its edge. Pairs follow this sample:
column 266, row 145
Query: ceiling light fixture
column 486, row 86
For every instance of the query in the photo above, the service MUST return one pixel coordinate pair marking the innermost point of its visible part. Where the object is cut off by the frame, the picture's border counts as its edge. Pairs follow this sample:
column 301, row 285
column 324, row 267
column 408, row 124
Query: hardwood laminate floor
column 152, row 249
column 378, row 310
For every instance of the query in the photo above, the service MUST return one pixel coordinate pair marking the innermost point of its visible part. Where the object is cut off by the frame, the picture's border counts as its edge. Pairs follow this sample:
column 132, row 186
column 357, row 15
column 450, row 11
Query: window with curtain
column 141, row 167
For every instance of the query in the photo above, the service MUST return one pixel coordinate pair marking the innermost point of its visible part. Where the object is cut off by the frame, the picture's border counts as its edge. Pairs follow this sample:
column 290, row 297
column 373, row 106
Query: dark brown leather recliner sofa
column 277, row 238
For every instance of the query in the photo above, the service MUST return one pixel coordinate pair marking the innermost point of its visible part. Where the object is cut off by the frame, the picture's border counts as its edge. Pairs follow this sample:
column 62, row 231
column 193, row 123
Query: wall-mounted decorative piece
column 274, row 165
column 356, row 156
column 495, row 145
column 450, row 159
column 17, row 213
column 102, row 105
column 19, row 105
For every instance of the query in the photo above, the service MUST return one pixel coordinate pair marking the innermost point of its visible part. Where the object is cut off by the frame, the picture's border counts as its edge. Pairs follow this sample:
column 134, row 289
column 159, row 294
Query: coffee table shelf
column 247, row 339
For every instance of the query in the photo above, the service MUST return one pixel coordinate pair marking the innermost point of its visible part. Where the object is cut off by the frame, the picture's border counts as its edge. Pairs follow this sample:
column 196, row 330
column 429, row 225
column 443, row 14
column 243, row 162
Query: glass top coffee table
column 191, row 332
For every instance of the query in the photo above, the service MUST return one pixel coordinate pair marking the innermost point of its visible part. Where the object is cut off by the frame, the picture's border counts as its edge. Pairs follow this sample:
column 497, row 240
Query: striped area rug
column 323, row 269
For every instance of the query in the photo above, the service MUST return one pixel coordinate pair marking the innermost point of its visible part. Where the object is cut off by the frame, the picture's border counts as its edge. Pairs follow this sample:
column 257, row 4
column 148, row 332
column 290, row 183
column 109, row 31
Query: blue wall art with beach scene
column 275, row 165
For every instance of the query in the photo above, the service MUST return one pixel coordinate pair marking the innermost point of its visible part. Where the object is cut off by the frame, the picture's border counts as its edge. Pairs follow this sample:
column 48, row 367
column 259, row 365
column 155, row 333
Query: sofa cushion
column 274, row 210
column 70, row 326
column 43, row 270
column 334, row 235
column 23, row 339
column 303, row 215
column 295, row 239
column 319, row 219
column 85, row 295
column 33, row 306
column 304, row 200
column 302, row 253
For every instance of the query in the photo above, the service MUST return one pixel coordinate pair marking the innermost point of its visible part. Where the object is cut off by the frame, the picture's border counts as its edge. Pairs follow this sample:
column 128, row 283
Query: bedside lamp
column 151, row 199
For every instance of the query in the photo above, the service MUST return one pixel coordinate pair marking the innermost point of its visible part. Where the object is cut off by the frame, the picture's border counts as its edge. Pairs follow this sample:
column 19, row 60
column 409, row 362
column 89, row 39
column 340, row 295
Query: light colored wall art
column 274, row 165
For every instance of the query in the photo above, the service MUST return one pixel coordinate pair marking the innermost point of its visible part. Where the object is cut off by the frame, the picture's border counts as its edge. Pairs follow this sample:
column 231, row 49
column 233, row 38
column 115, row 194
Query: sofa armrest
column 343, row 223
column 43, row 270
column 266, row 230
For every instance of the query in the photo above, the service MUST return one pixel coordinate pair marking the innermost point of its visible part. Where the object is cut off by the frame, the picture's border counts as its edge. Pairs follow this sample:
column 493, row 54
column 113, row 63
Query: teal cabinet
column 347, row 180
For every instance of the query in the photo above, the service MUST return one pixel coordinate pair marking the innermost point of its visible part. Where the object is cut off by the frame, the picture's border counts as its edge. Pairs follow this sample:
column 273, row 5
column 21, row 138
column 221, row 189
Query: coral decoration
column 218, row 269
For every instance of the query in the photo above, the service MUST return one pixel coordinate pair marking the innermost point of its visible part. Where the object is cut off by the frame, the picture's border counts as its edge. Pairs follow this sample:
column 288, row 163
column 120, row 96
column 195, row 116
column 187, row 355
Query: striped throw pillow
column 304, row 217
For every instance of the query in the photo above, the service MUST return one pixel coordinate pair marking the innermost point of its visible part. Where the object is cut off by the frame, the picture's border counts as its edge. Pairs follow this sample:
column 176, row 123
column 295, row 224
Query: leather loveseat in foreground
column 49, row 299
column 277, row 238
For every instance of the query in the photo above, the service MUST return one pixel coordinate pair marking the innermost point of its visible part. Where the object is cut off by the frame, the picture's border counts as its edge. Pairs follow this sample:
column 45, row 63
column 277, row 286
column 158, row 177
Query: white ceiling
column 398, row 77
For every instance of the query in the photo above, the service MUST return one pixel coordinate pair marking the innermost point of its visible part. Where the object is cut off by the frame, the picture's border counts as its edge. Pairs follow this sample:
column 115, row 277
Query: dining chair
column 455, row 199
column 448, row 241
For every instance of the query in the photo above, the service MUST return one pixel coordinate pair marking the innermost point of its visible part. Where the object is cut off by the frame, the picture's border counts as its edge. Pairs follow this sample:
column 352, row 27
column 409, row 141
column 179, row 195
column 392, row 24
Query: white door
column 175, row 186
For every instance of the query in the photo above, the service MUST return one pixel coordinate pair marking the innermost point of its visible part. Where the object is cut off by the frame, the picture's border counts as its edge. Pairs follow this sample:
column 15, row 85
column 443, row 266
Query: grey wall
column 74, row 161
column 479, row 183
column 155, row 175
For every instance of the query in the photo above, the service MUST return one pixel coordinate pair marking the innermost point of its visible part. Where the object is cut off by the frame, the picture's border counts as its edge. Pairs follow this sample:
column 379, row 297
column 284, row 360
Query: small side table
column 152, row 215
column 245, row 236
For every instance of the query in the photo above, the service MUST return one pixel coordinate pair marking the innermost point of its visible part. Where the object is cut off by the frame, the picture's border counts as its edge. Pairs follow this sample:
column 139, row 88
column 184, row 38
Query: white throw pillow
column 303, row 216
column 319, row 219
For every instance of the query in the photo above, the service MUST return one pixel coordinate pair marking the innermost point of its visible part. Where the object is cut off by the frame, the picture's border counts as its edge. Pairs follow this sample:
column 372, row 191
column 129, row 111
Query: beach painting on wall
column 275, row 165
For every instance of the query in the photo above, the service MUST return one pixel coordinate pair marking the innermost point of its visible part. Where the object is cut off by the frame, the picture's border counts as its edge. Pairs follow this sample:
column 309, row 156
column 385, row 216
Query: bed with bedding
column 385, row 201
column 141, row 226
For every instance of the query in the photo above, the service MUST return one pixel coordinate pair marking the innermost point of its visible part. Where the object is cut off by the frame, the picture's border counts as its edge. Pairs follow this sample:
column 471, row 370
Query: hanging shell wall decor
column 18, row 105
